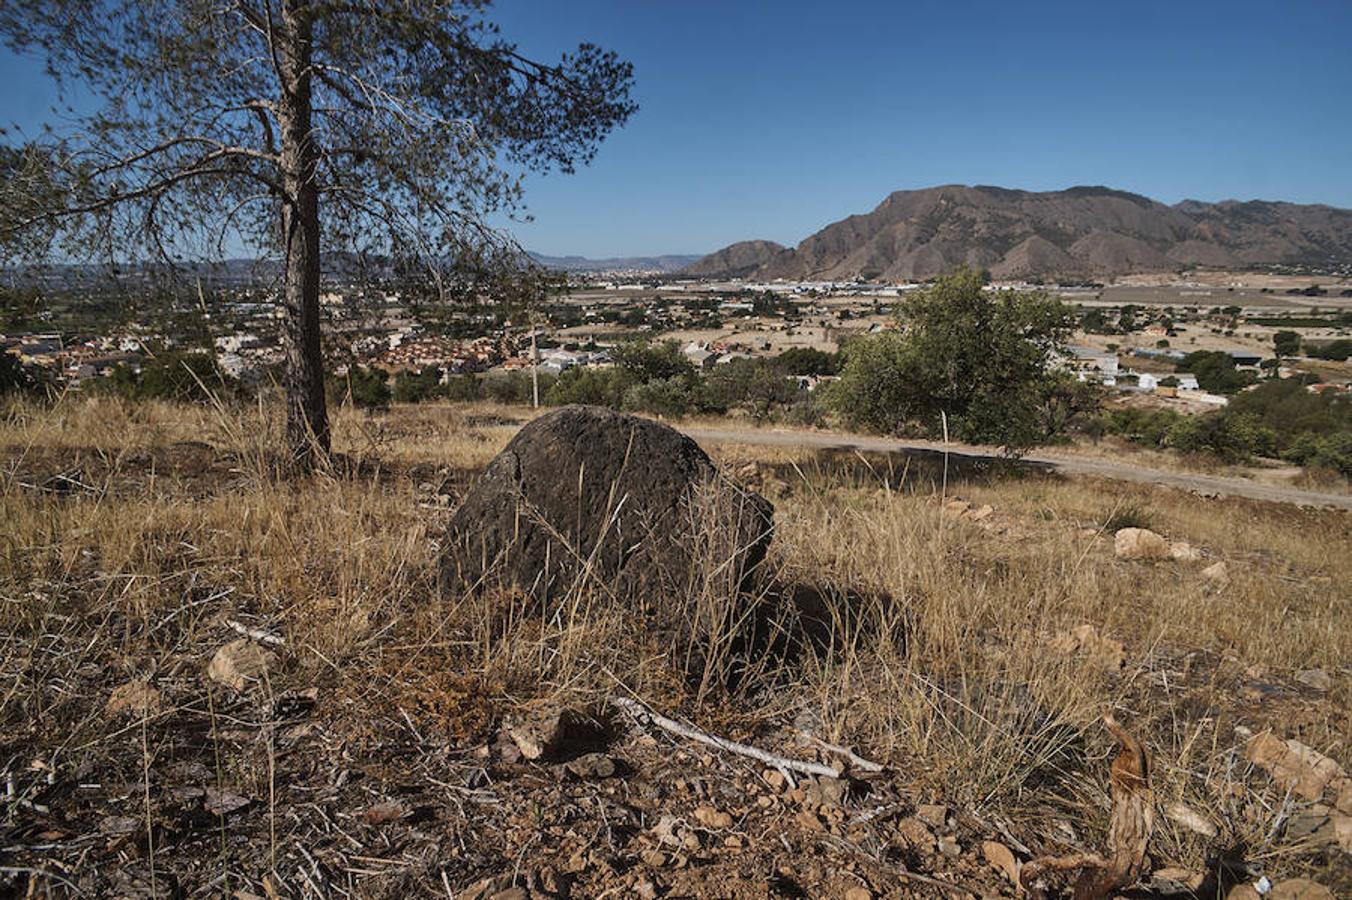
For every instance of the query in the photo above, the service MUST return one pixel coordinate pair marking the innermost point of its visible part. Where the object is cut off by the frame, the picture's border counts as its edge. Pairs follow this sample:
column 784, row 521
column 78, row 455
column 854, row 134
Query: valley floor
column 216, row 682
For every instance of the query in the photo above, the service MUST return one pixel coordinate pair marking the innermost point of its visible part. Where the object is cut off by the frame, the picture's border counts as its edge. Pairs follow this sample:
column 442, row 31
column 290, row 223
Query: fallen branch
column 856, row 761
column 774, row 760
column 256, row 634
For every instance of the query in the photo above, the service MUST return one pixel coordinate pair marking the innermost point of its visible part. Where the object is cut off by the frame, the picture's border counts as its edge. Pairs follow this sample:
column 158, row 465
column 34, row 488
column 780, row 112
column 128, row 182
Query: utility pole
column 534, row 368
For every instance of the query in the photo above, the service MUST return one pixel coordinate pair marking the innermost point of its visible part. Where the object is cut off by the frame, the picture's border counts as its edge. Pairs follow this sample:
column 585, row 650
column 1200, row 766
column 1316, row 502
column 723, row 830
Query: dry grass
column 937, row 662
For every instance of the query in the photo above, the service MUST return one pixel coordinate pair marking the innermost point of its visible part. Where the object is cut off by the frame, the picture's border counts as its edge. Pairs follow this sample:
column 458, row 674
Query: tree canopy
column 981, row 358
column 393, row 128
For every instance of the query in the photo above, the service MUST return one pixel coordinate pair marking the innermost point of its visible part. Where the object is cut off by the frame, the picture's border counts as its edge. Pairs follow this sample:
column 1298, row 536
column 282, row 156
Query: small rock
column 1190, row 819
column 713, row 819
column 1299, row 889
column 1175, row 875
column 1243, row 892
column 1140, row 544
column 120, row 824
column 774, row 778
column 914, row 833
column 667, row 831
column 655, row 859
column 948, row 846
column 826, row 791
column 136, row 697
column 1294, row 765
column 932, row 814
column 240, row 664
column 1001, row 858
column 1086, row 641
column 540, row 733
column 384, row 813
column 591, row 765
column 222, row 803
column 1182, row 551
column 858, row 893
column 1217, row 572
column 1315, row 678
column 808, row 819
column 982, row 512
column 957, row 507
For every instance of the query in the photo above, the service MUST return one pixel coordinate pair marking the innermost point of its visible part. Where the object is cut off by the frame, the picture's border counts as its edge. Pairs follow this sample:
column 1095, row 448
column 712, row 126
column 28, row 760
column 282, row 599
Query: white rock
column 1140, row 543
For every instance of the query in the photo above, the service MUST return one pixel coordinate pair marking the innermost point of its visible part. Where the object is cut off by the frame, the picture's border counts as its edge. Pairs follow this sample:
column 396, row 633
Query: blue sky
column 770, row 119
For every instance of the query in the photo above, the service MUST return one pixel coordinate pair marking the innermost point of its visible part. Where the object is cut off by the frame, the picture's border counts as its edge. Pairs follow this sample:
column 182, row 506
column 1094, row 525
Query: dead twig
column 256, row 634
column 642, row 713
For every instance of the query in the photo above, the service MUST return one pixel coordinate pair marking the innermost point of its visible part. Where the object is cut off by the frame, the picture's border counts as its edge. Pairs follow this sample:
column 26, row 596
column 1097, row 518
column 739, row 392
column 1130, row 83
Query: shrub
column 415, row 387
column 598, row 387
column 367, row 388
column 181, row 376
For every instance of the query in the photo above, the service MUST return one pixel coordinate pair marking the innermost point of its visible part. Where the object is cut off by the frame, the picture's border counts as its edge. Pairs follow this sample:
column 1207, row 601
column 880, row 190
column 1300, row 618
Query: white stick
column 643, row 713
column 256, row 634
column 857, row 761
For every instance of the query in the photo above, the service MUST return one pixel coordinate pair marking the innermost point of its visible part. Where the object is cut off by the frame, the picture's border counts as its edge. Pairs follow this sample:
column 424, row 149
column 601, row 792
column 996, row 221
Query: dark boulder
column 602, row 500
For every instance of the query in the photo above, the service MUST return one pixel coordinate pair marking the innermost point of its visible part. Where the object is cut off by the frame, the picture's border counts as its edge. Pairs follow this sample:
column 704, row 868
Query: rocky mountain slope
column 736, row 260
column 1082, row 232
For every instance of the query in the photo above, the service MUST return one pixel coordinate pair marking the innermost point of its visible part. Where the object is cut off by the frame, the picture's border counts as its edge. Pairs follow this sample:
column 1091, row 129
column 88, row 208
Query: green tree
column 983, row 358
column 368, row 388
column 1215, row 371
column 1286, row 343
column 389, row 129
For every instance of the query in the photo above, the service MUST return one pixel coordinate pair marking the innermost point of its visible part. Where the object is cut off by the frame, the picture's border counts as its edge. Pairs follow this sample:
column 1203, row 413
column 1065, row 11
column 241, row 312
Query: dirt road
column 1205, row 485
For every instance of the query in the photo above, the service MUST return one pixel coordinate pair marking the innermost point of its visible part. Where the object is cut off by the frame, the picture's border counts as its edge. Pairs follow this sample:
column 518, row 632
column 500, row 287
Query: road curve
column 1206, row 485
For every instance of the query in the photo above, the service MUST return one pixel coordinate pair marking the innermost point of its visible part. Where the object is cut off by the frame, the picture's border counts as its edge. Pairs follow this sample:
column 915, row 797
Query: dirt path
column 1206, row 485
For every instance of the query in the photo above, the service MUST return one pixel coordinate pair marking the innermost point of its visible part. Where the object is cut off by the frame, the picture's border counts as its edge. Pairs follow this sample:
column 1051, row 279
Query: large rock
column 584, row 491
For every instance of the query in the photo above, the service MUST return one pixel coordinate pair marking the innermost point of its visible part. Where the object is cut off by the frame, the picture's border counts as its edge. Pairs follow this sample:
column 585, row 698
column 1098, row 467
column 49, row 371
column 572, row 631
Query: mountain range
column 1083, row 232
column 668, row 263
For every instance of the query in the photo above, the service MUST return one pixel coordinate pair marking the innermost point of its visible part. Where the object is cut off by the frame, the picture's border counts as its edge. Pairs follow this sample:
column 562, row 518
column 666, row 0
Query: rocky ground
column 178, row 720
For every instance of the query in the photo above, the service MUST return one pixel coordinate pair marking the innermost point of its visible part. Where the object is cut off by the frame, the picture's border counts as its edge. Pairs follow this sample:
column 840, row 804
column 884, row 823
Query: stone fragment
column 914, row 833
column 1293, row 765
column 240, row 665
column 1085, row 640
column 1001, row 859
column 1140, row 544
column 1318, row 679
column 137, row 698
column 1182, row 551
column 1189, row 818
column 1217, row 572
column 712, row 818
column 542, row 732
column 384, row 813
column 1299, row 889
column 932, row 814
column 591, row 765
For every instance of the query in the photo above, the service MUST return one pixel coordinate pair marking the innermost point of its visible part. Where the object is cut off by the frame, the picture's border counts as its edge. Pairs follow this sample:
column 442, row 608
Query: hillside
column 219, row 683
column 736, row 260
column 1079, row 232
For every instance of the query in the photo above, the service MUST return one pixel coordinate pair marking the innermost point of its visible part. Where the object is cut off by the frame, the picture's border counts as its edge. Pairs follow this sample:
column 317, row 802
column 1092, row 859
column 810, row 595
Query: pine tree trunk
column 307, row 419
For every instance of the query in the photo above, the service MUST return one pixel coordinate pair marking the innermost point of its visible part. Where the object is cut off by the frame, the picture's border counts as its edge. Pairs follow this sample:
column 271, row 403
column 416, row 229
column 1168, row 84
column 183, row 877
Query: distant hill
column 1081, row 232
column 736, row 260
column 668, row 263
